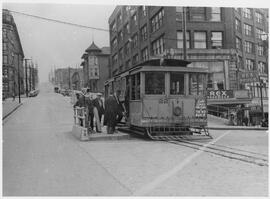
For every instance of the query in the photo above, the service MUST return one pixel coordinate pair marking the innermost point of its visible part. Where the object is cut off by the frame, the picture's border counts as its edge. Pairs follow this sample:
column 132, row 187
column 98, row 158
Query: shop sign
column 200, row 108
column 249, row 76
column 220, row 94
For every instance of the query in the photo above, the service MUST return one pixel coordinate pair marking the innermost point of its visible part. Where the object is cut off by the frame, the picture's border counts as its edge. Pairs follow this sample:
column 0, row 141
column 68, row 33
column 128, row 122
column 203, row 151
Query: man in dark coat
column 111, row 112
column 98, row 104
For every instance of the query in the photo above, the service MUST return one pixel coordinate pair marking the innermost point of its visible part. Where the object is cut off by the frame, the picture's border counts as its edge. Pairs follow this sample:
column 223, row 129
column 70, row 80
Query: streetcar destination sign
column 220, row 94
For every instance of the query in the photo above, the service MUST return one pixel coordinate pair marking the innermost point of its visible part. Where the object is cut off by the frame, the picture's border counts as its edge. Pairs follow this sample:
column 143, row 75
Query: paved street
column 42, row 158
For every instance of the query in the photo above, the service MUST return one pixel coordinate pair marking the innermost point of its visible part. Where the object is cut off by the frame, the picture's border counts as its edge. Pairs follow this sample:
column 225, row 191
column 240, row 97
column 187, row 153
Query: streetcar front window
column 196, row 84
column 177, row 84
column 154, row 83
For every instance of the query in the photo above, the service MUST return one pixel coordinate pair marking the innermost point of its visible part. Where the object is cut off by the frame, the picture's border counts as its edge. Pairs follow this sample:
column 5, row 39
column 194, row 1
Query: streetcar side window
column 177, row 84
column 196, row 84
column 135, row 87
column 154, row 83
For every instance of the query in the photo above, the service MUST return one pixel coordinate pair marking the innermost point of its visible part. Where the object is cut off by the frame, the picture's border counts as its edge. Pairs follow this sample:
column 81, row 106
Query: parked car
column 33, row 93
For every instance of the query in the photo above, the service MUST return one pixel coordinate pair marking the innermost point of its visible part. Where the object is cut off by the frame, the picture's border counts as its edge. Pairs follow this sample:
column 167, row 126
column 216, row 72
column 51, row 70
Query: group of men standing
column 113, row 110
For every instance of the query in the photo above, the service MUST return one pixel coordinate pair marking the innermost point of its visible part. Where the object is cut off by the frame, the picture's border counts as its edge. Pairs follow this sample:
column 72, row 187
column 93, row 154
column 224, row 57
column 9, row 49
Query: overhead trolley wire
column 82, row 26
column 59, row 21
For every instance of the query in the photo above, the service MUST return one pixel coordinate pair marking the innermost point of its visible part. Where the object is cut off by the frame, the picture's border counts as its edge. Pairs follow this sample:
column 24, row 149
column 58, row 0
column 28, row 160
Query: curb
column 4, row 117
column 238, row 128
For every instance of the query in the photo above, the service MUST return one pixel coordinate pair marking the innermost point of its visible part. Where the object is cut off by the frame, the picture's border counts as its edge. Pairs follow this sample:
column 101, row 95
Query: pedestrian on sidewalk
column 90, row 113
column 110, row 116
column 98, row 105
column 13, row 96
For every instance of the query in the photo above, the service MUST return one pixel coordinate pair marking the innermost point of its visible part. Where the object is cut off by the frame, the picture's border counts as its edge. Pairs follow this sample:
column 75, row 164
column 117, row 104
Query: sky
column 51, row 44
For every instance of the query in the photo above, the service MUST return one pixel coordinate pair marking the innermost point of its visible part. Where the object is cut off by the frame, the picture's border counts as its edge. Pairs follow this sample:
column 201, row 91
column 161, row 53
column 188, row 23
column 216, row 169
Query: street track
column 224, row 151
column 219, row 150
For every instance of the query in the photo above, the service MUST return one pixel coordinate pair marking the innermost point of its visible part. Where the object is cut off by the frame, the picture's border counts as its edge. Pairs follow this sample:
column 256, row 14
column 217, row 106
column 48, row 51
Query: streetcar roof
column 163, row 65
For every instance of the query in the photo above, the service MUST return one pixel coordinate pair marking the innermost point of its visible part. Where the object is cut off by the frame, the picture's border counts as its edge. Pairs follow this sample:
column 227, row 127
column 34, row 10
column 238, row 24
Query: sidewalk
column 9, row 106
column 217, row 123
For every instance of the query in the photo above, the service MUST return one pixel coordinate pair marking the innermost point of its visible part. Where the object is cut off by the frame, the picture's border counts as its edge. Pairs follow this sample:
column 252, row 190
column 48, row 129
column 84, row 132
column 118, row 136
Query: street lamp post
column 260, row 85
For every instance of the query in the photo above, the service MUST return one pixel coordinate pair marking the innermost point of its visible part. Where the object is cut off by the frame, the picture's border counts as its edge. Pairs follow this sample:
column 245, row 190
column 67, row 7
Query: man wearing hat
column 98, row 104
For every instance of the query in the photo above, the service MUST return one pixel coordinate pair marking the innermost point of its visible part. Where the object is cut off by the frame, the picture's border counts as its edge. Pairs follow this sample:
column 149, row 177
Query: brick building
column 95, row 67
column 227, row 41
column 12, row 57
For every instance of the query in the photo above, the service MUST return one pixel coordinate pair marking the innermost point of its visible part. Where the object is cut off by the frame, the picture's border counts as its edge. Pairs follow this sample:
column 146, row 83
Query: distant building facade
column 12, row 57
column 95, row 67
column 68, row 78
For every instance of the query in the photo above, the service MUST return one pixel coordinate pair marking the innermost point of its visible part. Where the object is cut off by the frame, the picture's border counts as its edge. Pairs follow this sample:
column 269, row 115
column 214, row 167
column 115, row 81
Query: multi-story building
column 95, row 67
column 68, row 78
column 227, row 41
column 12, row 71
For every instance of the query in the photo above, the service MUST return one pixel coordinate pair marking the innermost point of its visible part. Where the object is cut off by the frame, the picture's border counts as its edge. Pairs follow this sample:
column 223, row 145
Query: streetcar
column 163, row 98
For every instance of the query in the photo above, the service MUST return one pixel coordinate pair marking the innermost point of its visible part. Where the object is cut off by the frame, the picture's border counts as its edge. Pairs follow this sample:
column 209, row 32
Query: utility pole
column 184, row 33
column 34, row 73
column 69, row 77
column 19, row 78
column 26, row 80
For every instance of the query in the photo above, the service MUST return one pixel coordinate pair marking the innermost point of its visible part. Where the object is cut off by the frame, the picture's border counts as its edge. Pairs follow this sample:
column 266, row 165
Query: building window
column 5, row 73
column 5, row 87
column 127, row 48
column 248, row 47
column 261, row 67
column 248, row 30
column 154, row 83
column 157, row 20
column 215, row 14
column 250, row 64
column 180, row 39
column 96, row 72
column 197, row 13
column 114, row 43
column 135, row 41
column 134, row 19
column 91, row 72
column 113, row 27
column 179, row 13
column 5, row 59
column 260, row 50
column 114, row 59
column 259, row 17
column 247, row 13
column 238, row 43
column 121, row 55
column 128, row 64
column 199, row 39
column 144, row 10
column 4, row 46
column 120, row 36
column 238, row 25
column 144, row 33
column 216, row 40
column 259, row 33
column 177, row 84
column 158, row 46
column 145, row 54
column 135, row 59
column 4, row 33
column 119, row 19
column 126, row 29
